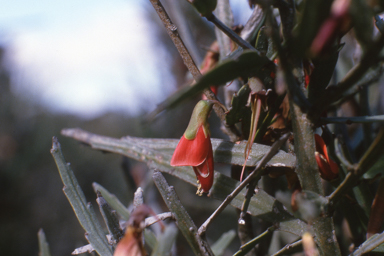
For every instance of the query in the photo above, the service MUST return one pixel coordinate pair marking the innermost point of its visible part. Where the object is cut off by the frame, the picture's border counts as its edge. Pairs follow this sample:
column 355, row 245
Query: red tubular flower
column 329, row 170
column 195, row 148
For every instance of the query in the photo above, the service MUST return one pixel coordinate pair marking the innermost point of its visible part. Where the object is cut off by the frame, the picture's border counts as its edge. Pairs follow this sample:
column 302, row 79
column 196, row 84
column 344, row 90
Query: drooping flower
column 195, row 148
column 132, row 242
column 329, row 170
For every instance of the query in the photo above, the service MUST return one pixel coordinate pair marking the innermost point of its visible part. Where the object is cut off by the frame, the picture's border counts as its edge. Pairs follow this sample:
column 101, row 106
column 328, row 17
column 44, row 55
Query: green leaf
column 183, row 220
column 110, row 219
column 84, row 211
column 223, row 242
column 248, row 63
column 112, row 201
column 43, row 244
column 239, row 111
column 369, row 245
column 158, row 152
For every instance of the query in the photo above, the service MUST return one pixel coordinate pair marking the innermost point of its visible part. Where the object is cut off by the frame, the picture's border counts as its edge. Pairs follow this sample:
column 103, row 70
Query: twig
column 340, row 155
column 258, row 171
column 352, row 120
column 183, row 220
column 229, row 32
column 290, row 248
column 334, row 92
column 372, row 77
column 161, row 216
column 370, row 157
column 187, row 59
column 247, row 199
column 244, row 249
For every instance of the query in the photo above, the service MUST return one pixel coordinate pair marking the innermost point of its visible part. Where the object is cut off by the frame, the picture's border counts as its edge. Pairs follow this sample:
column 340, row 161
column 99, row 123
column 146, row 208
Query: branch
column 370, row 157
column 258, row 171
column 290, row 248
column 352, row 120
column 244, row 249
column 335, row 92
column 230, row 33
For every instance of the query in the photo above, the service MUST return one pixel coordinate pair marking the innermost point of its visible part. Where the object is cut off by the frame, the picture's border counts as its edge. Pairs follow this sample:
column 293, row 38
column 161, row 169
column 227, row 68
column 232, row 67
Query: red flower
column 195, row 148
column 329, row 170
column 132, row 242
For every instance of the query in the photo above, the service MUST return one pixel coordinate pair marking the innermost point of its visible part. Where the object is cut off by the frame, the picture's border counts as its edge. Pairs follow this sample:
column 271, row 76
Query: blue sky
column 86, row 57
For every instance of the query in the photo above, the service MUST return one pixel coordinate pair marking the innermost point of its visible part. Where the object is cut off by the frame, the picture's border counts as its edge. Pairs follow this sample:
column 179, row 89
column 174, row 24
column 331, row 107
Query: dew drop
column 241, row 221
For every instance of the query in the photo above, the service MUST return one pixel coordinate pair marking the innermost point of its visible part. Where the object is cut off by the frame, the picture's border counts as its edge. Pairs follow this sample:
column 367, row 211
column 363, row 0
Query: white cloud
column 100, row 60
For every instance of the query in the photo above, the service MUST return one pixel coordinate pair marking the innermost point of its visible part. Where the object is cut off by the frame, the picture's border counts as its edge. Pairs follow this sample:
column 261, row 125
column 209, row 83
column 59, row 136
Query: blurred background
column 99, row 65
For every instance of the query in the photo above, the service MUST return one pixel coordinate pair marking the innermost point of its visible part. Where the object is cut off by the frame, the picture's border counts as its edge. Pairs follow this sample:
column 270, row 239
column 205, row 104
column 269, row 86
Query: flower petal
column 322, row 149
column 192, row 152
column 324, row 167
column 205, row 172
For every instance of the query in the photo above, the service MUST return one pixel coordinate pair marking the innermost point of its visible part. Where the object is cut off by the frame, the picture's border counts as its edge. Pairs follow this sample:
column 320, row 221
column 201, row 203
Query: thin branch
column 341, row 156
column 335, row 92
column 370, row 78
column 290, row 248
column 244, row 249
column 352, row 120
column 161, row 216
column 367, row 161
column 230, row 33
column 258, row 171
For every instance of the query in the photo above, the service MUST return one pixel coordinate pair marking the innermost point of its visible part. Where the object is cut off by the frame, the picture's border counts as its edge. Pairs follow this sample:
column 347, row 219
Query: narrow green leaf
column 239, row 110
column 112, row 201
column 110, row 219
column 183, row 220
column 372, row 243
column 223, row 242
column 165, row 241
column 84, row 211
column 43, row 244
